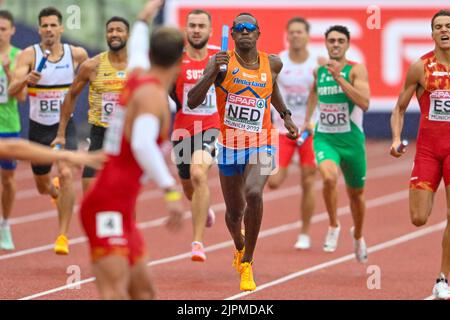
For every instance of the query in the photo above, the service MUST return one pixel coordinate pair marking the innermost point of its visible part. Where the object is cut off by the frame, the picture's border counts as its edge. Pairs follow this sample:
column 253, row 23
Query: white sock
column 4, row 223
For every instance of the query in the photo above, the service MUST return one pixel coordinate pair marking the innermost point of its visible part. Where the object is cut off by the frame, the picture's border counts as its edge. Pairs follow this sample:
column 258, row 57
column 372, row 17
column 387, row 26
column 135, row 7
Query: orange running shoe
column 247, row 282
column 62, row 245
column 238, row 254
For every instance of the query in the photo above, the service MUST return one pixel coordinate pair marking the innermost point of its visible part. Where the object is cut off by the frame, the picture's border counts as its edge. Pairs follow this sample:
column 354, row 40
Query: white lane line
column 384, row 245
column 146, row 195
column 383, row 200
column 378, row 172
column 32, row 192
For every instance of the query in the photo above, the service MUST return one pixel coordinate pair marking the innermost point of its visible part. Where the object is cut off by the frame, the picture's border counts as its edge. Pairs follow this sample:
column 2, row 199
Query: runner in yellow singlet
column 106, row 76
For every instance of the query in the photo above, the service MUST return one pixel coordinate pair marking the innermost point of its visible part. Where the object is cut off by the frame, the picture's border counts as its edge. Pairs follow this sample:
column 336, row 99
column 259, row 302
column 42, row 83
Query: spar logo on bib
column 439, row 106
column 245, row 113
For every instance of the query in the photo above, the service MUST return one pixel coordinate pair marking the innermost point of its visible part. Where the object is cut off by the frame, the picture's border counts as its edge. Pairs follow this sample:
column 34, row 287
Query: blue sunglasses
column 250, row 27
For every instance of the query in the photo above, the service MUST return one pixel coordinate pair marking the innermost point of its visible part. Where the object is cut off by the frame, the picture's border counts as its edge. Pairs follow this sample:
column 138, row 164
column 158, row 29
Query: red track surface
column 408, row 265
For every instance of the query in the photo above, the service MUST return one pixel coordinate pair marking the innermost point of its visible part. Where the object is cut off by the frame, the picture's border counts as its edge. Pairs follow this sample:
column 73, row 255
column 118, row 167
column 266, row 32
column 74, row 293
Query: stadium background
column 385, row 35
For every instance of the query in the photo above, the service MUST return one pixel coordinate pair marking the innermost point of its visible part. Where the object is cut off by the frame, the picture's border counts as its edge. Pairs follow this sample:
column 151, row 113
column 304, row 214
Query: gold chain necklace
column 248, row 63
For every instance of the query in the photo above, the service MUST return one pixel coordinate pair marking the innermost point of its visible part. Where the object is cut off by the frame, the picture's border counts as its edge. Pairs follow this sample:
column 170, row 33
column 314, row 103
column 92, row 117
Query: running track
column 407, row 257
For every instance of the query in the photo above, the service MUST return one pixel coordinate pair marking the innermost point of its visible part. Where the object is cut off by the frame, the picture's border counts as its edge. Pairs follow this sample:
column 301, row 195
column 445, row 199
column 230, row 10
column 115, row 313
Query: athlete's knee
column 330, row 181
column 65, row 174
column 273, row 183
column 8, row 183
column 253, row 195
column 308, row 178
column 418, row 218
column 198, row 176
column 356, row 195
column 43, row 188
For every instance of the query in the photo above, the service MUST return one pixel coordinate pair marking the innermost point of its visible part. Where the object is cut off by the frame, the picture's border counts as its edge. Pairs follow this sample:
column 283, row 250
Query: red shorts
column 305, row 151
column 111, row 230
column 430, row 166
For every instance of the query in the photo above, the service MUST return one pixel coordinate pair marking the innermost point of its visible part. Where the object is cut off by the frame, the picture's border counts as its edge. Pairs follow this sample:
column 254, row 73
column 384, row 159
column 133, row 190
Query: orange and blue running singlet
column 243, row 103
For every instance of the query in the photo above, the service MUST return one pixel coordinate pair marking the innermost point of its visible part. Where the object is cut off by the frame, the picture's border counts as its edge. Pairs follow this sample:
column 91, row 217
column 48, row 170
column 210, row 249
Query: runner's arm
column 311, row 104
column 358, row 91
column 77, row 86
column 138, row 47
column 138, row 44
column 21, row 149
column 22, row 95
column 20, row 79
column 80, row 55
column 398, row 113
column 211, row 75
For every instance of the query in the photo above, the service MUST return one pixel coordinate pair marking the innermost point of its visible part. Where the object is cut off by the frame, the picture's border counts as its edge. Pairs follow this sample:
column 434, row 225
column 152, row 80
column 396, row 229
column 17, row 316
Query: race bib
column 46, row 105
column 114, row 133
column 109, row 224
column 4, row 89
column 208, row 107
column 439, row 106
column 109, row 102
column 334, row 118
column 244, row 113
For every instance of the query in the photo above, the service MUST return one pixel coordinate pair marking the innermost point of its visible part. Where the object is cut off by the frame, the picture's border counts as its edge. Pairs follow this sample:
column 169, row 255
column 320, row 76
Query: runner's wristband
column 284, row 113
column 172, row 196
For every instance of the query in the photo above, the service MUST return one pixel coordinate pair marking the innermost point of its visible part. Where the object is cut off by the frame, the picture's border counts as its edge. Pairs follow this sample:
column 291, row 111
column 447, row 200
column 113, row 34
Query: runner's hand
column 59, row 140
column 334, row 68
column 175, row 221
column 222, row 57
column 394, row 148
column 291, row 127
column 308, row 126
column 150, row 10
column 33, row 78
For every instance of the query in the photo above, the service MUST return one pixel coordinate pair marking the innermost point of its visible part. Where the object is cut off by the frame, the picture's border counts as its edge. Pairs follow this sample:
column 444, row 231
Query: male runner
column 295, row 81
column 244, row 93
column 107, row 212
column 46, row 90
column 9, row 123
column 429, row 79
column 342, row 94
column 106, row 75
column 195, row 131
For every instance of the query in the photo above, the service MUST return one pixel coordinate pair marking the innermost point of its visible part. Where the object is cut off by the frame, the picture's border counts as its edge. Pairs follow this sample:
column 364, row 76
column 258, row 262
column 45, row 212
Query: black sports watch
column 284, row 113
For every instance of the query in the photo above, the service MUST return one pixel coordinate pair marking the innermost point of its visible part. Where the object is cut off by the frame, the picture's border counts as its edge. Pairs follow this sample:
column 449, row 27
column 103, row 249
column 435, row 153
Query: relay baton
column 43, row 61
column 305, row 134
column 402, row 146
column 224, row 47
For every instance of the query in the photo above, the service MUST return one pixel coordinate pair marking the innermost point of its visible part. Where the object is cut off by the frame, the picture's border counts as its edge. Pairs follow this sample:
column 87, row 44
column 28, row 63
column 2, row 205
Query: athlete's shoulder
column 79, row 54
column 416, row 69
column 284, row 56
column 428, row 55
column 91, row 63
column 27, row 55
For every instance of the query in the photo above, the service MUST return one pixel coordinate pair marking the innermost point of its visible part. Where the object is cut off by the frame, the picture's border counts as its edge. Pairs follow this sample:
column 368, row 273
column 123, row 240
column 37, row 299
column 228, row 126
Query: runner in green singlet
column 341, row 93
column 9, row 124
